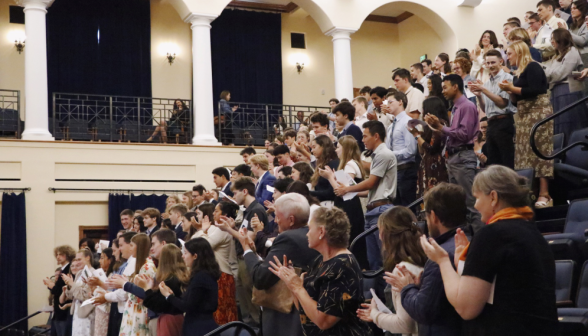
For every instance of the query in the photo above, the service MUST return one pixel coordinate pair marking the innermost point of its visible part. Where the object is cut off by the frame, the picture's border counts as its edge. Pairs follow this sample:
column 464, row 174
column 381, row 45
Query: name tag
column 244, row 224
column 270, row 189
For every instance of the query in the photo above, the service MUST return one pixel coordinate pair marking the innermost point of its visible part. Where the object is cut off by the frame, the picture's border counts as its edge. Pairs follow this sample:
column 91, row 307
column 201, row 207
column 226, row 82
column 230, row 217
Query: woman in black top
column 200, row 300
column 180, row 118
column 173, row 272
column 508, row 282
column 324, row 151
column 435, row 87
column 529, row 91
column 332, row 291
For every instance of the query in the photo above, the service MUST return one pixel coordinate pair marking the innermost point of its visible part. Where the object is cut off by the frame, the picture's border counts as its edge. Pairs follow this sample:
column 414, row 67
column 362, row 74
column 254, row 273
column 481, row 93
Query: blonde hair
column 519, row 34
column 521, row 49
column 171, row 265
column 172, row 197
column 350, row 151
column 189, row 204
column 260, row 160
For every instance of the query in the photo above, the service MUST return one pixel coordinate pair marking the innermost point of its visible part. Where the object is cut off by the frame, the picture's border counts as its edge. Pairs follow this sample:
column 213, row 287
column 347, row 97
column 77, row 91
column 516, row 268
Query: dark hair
column 512, row 24
column 493, row 39
column 376, row 127
column 286, row 170
column 535, row 17
column 189, row 215
column 582, row 6
column 166, row 223
column 184, row 107
column 222, row 171
column 199, row 188
column 248, row 150
column 419, row 87
column 344, row 100
column 379, row 91
column 207, row 209
column 299, row 187
column 127, row 236
column 290, row 134
column 229, row 209
column 563, row 37
column 546, row 4
column 483, row 119
column 127, row 212
column 206, row 260
column 493, row 52
column 402, row 73
column 243, row 169
column 139, row 219
column 427, row 61
column 401, row 97
column 320, row 118
column 165, row 235
column 281, row 185
column 436, row 86
column 245, row 183
column 446, row 67
column 454, row 80
column 436, row 106
column 90, row 242
column 401, row 238
column 334, row 100
column 281, row 150
column 346, row 109
column 365, row 89
column 514, row 19
column 418, row 66
column 224, row 94
column 305, row 171
column 449, row 203
column 328, row 154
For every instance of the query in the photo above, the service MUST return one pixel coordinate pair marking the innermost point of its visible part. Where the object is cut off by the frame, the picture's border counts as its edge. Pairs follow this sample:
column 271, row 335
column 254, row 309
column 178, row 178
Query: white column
column 342, row 55
column 203, row 104
column 35, row 54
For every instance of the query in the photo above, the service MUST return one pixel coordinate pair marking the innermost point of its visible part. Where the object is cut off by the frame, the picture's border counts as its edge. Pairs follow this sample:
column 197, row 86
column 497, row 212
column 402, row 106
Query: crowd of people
column 270, row 244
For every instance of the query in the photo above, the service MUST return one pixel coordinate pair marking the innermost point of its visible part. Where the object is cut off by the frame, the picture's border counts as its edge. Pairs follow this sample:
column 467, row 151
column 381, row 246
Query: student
column 259, row 167
column 222, row 179
column 378, row 95
column 246, row 153
column 414, row 97
column 289, row 140
column 126, row 219
column 282, row 153
column 177, row 212
column 150, row 216
column 344, row 116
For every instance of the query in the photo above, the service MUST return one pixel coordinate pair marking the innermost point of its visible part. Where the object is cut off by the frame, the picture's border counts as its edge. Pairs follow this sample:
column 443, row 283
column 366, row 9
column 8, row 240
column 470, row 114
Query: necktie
column 392, row 134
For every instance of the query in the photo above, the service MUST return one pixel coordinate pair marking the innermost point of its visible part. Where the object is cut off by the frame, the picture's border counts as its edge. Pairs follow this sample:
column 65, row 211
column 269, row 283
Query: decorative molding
column 340, row 32
column 197, row 19
column 389, row 19
column 289, row 8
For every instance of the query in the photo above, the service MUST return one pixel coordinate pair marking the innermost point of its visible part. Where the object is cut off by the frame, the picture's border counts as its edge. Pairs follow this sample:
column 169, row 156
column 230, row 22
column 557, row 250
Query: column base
column 37, row 135
column 206, row 140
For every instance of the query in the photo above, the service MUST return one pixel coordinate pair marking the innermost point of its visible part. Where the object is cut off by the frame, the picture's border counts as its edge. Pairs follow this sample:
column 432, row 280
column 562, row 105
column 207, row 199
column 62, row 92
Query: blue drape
column 13, row 260
column 99, row 47
column 140, row 202
column 247, row 56
column 116, row 204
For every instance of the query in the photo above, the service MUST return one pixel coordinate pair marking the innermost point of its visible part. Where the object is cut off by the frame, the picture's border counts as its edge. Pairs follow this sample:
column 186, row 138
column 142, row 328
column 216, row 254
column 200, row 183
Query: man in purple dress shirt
column 461, row 162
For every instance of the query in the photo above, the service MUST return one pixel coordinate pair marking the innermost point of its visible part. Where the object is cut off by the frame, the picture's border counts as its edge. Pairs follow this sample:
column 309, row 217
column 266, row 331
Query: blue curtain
column 99, row 47
column 140, row 202
column 13, row 260
column 247, row 56
column 116, row 204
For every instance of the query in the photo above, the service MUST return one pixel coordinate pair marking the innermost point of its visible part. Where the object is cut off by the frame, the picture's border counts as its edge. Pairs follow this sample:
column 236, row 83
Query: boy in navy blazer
column 265, row 185
column 344, row 116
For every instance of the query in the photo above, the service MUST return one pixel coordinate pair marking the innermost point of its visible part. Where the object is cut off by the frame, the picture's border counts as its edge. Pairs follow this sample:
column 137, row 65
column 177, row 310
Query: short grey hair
column 296, row 205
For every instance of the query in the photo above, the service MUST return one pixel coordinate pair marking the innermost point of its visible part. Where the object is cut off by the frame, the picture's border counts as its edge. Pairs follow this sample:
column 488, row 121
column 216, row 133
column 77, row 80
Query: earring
column 320, row 237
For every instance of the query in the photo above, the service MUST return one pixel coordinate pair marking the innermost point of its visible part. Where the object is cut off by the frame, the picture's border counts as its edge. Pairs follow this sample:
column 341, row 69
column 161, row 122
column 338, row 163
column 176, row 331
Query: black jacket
column 428, row 305
column 58, row 314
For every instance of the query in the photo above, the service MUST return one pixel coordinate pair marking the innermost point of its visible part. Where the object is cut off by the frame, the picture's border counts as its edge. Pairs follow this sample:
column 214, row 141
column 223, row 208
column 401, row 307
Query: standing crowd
column 269, row 245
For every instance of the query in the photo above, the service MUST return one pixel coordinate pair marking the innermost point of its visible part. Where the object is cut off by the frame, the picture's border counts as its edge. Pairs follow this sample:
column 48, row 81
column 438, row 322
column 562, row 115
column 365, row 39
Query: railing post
column 218, row 111
column 139, row 119
column 267, row 121
column 54, row 113
column 290, row 117
column 110, row 129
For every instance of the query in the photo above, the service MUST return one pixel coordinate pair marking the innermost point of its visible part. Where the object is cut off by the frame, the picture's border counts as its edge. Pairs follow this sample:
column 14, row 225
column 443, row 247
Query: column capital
column 340, row 33
column 35, row 4
column 197, row 19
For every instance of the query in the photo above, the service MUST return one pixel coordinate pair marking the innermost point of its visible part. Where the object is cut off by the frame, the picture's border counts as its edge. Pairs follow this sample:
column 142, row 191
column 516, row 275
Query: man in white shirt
column 404, row 146
column 360, row 104
column 427, row 71
column 545, row 10
column 415, row 97
column 416, row 71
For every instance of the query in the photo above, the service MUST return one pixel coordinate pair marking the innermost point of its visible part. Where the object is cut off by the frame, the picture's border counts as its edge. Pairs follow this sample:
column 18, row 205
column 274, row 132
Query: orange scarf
column 524, row 213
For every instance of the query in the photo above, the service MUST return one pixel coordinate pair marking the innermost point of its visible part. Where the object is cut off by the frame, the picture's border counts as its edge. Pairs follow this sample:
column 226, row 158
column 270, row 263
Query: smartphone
column 385, row 102
column 576, row 74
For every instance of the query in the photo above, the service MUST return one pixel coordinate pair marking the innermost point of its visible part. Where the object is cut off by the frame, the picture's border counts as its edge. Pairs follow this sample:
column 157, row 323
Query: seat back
column 577, row 218
column 558, row 143
column 582, row 299
column 578, row 156
column 529, row 174
column 235, row 328
column 564, row 272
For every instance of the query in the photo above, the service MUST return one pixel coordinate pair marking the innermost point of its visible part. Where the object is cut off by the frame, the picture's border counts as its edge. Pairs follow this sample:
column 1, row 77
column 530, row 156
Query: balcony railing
column 86, row 117
column 253, row 123
column 10, row 123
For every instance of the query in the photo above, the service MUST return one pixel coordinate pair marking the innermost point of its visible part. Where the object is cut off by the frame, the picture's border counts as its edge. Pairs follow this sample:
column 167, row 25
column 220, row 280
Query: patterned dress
column 432, row 170
column 134, row 322
column 337, row 287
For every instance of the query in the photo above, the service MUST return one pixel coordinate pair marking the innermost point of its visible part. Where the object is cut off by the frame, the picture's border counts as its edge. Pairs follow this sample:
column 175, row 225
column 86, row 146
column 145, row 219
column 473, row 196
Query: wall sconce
column 299, row 67
column 171, row 58
column 19, row 45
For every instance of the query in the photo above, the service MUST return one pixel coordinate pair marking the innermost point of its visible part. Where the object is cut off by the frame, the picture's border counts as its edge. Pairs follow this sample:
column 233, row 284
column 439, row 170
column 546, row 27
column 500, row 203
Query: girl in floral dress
column 134, row 322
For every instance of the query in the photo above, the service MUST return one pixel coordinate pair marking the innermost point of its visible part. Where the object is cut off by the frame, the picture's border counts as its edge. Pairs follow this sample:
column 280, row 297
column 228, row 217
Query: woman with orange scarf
column 505, row 282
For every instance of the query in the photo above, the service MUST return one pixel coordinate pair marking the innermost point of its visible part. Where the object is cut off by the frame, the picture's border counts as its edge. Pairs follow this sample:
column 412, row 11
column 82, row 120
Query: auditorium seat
column 571, row 174
column 235, row 328
column 558, row 144
column 571, row 243
column 9, row 122
column 78, row 130
column 130, row 131
column 564, row 274
column 574, row 321
column 58, row 131
column 105, row 130
column 529, row 174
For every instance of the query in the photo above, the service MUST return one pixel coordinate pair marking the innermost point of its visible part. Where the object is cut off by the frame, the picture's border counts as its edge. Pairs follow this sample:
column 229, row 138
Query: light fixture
column 19, row 45
column 299, row 67
column 171, row 57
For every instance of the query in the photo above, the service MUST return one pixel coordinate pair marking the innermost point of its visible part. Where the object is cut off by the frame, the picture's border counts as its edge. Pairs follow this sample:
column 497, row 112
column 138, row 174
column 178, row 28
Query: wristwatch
column 417, row 137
